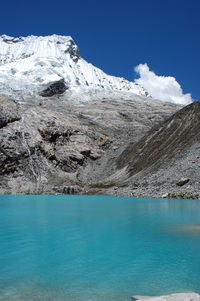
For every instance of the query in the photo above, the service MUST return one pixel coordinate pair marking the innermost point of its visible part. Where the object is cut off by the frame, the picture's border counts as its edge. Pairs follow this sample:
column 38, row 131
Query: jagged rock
column 183, row 181
column 71, row 146
column 55, row 88
column 11, row 40
column 74, row 51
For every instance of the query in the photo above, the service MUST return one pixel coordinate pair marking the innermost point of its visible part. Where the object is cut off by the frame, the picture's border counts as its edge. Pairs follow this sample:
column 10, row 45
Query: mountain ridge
column 29, row 64
column 163, row 163
column 67, row 127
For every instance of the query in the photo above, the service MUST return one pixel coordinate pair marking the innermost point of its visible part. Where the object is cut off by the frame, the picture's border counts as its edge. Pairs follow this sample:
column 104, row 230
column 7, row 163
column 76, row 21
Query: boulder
column 183, row 181
column 165, row 195
column 188, row 296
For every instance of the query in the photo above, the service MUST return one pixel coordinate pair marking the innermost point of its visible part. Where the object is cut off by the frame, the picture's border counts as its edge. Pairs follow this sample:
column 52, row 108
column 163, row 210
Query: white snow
column 27, row 64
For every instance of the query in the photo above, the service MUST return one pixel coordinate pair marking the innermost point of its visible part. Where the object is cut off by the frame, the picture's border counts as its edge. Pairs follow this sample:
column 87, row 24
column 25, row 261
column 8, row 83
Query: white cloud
column 164, row 88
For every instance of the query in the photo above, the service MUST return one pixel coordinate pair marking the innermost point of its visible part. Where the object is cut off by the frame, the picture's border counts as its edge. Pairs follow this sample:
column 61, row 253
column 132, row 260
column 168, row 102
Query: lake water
column 97, row 248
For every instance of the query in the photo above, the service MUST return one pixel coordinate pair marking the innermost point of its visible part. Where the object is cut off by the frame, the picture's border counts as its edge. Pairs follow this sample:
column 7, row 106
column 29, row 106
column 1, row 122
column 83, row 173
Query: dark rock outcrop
column 74, row 52
column 182, row 182
column 55, row 88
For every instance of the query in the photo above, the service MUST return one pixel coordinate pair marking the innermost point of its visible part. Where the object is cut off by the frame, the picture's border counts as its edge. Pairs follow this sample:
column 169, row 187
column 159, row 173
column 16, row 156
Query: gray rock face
column 126, row 148
column 9, row 112
column 54, row 146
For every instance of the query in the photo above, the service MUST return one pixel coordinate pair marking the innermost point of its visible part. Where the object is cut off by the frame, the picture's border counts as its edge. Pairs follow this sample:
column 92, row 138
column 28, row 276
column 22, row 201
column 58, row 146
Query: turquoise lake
column 91, row 248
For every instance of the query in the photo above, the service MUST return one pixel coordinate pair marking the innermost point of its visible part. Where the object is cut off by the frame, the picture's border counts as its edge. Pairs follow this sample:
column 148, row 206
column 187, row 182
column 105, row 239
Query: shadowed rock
column 182, row 182
column 58, row 87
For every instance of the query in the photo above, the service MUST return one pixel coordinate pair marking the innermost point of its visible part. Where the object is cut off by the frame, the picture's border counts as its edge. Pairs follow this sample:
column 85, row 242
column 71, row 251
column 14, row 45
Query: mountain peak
column 29, row 64
column 14, row 48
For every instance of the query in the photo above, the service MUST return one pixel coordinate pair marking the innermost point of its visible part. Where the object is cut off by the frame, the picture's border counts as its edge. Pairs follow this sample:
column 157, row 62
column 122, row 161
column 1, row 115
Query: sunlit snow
column 28, row 63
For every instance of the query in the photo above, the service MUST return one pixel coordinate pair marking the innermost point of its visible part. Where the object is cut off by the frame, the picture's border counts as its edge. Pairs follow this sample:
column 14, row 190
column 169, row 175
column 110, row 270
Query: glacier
column 29, row 65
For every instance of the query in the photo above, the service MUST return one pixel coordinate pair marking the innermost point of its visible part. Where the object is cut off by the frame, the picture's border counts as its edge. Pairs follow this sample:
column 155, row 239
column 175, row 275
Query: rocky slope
column 57, row 146
column 165, row 162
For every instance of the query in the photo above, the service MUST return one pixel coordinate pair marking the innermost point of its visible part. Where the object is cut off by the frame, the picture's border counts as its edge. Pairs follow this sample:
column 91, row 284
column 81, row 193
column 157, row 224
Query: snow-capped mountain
column 32, row 65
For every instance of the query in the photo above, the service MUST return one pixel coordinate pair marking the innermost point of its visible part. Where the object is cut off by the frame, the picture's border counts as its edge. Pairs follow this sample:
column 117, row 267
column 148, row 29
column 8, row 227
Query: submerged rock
column 190, row 296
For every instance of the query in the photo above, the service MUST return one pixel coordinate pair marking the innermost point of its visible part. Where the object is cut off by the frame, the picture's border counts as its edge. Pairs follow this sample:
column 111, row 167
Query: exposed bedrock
column 132, row 148
column 55, row 88
column 9, row 111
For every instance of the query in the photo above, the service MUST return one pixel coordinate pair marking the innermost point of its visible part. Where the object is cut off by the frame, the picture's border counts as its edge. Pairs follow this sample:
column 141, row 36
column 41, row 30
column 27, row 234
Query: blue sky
column 118, row 35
